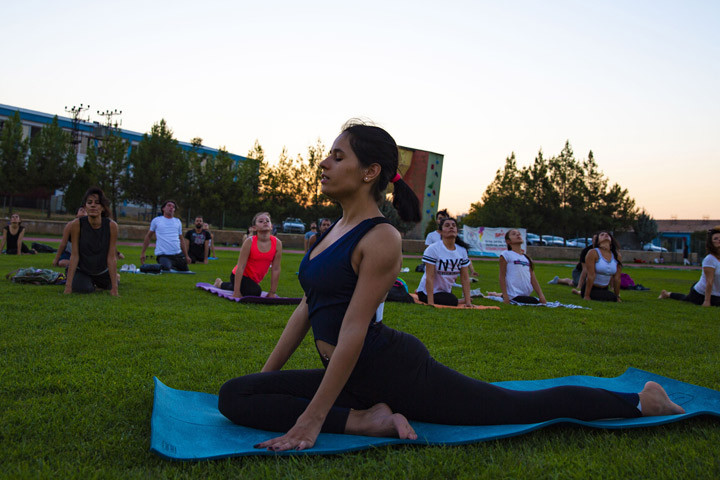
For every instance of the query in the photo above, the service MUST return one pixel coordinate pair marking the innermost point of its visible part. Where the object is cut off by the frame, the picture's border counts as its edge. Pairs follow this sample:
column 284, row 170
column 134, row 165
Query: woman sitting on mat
column 602, row 267
column 375, row 378
column 706, row 292
column 12, row 237
column 93, row 261
column 444, row 261
column 517, row 273
column 257, row 254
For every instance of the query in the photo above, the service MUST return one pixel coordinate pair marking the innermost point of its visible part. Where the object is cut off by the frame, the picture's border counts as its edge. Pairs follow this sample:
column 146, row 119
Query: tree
column 53, row 160
column 645, row 227
column 13, row 158
column 560, row 195
column 157, row 168
column 84, row 178
column 108, row 162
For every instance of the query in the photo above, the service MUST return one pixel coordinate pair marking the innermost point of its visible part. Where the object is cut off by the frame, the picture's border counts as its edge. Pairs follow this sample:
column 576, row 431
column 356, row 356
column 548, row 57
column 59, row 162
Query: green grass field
column 76, row 385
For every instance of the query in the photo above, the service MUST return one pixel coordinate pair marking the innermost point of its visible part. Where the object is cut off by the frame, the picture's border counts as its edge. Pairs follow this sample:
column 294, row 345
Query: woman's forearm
column 338, row 371
column 293, row 334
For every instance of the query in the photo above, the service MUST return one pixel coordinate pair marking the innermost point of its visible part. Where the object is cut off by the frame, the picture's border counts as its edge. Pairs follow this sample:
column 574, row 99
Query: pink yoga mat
column 262, row 299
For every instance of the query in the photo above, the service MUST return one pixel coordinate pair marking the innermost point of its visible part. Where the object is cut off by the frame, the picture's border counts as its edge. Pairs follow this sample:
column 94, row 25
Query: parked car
column 293, row 225
column 649, row 247
column 534, row 239
column 579, row 242
column 554, row 241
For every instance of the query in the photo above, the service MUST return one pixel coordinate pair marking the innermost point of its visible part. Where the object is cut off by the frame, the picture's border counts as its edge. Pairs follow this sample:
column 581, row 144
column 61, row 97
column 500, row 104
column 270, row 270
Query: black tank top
column 12, row 240
column 93, row 246
column 329, row 282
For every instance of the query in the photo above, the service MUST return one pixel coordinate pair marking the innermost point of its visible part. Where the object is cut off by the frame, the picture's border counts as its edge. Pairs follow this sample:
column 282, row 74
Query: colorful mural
column 422, row 170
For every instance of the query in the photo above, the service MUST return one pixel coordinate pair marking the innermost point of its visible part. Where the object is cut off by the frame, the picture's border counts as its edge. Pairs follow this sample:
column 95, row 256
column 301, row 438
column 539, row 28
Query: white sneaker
column 554, row 281
column 476, row 293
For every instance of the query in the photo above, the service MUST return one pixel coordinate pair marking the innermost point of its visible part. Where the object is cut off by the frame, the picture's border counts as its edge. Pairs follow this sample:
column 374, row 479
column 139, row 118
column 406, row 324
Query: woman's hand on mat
column 300, row 437
column 114, row 292
column 236, row 295
column 706, row 303
column 271, row 295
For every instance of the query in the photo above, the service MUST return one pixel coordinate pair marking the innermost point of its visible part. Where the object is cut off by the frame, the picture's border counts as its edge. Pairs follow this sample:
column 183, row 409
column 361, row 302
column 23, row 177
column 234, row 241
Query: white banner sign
column 489, row 242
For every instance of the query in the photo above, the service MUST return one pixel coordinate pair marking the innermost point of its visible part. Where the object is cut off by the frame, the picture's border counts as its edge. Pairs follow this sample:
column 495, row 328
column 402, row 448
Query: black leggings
column 696, row 298
column 398, row 370
column 526, row 299
column 440, row 298
column 86, row 283
column 173, row 262
column 248, row 287
column 601, row 294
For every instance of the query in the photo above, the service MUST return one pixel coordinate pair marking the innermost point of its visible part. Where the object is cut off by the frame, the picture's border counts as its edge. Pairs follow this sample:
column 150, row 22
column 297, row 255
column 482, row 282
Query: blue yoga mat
column 188, row 426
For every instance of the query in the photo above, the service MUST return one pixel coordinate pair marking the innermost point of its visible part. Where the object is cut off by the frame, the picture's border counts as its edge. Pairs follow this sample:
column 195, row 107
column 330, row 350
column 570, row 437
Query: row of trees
column 39, row 165
column 225, row 192
column 559, row 195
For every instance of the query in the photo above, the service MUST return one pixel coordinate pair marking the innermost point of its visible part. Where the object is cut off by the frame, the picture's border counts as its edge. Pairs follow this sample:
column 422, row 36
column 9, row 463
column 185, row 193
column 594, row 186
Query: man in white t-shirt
column 170, row 249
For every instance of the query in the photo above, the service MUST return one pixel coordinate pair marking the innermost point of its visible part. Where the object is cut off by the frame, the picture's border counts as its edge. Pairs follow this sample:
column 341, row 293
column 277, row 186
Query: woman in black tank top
column 93, row 261
column 375, row 378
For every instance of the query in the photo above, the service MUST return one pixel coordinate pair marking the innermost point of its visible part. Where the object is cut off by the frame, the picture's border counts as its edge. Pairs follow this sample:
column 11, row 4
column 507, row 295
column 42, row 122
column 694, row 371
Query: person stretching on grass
column 12, row 237
column 706, row 292
column 376, row 378
column 93, row 261
column 602, row 267
column 444, row 261
column 517, row 275
column 258, row 254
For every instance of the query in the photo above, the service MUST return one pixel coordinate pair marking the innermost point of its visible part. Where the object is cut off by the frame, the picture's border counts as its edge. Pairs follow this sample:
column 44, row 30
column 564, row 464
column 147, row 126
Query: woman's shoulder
column 710, row 260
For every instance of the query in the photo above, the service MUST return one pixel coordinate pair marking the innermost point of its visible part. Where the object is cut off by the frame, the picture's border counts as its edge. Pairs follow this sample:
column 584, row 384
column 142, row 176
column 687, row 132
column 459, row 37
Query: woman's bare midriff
column 326, row 350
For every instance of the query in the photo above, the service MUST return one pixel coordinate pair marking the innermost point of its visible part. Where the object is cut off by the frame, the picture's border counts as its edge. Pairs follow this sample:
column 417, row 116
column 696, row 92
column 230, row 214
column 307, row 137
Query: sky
column 636, row 82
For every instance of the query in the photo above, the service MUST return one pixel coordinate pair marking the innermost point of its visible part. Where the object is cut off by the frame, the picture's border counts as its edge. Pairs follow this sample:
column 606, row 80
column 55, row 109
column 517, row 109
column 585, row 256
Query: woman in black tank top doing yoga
column 93, row 260
column 376, row 378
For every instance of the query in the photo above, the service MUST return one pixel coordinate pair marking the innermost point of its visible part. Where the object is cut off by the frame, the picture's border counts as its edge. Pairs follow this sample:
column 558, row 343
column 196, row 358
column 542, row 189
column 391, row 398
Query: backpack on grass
column 36, row 276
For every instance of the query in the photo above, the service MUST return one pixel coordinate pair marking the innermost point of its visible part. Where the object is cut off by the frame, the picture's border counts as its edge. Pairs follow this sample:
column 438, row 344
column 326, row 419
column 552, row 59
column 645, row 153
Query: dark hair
column 614, row 246
column 507, row 237
column 257, row 215
column 442, row 212
column 708, row 242
column 166, row 202
column 458, row 240
column 372, row 144
column 104, row 203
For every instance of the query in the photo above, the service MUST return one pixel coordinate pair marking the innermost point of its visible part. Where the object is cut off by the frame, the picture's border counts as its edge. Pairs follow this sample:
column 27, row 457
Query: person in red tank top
column 258, row 254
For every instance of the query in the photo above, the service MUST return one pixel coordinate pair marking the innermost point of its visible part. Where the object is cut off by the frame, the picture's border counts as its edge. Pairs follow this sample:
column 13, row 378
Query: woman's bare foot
column 654, row 401
column 576, row 291
column 664, row 294
column 379, row 421
column 218, row 283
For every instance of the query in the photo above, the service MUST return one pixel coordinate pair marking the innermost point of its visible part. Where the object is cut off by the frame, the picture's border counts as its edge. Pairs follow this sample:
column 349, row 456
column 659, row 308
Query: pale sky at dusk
column 635, row 81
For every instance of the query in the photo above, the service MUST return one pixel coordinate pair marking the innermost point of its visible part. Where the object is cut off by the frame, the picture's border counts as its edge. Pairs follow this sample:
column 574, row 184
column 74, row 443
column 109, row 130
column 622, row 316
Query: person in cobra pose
column 258, row 254
column 517, row 273
column 376, row 378
column 444, row 261
column 706, row 291
column 603, row 267
column 93, row 261
column 12, row 237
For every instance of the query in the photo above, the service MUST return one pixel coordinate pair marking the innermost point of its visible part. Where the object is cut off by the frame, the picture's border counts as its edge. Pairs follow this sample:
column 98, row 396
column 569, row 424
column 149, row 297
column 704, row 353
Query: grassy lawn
column 77, row 374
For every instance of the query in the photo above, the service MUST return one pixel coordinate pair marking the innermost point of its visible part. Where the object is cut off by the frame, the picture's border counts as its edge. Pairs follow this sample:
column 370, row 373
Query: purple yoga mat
column 263, row 299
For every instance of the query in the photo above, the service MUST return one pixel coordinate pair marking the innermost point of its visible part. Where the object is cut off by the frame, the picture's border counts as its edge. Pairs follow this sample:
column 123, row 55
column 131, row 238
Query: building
column 85, row 132
column 674, row 234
